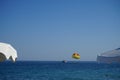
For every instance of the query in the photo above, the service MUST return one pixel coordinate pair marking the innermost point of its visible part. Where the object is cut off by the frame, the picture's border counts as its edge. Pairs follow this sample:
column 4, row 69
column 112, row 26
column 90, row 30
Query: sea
column 57, row 70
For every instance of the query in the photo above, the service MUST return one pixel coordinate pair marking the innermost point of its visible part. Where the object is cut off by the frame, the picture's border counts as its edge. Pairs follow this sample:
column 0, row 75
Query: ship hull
column 103, row 59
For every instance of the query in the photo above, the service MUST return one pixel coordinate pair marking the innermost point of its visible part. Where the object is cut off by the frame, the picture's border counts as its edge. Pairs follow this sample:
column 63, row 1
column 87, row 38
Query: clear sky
column 54, row 29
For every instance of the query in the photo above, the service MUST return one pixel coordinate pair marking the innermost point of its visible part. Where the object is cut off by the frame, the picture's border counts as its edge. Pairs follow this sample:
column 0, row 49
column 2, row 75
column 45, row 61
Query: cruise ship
column 112, row 56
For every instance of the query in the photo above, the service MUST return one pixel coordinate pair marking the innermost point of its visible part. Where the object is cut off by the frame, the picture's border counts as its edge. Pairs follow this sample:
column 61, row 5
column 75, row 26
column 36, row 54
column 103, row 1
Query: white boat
column 112, row 56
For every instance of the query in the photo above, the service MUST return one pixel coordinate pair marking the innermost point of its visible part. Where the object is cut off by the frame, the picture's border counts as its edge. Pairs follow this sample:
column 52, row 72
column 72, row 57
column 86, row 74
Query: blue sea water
column 56, row 70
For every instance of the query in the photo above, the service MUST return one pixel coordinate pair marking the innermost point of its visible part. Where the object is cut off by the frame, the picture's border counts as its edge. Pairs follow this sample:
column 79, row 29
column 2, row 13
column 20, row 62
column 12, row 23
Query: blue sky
column 54, row 29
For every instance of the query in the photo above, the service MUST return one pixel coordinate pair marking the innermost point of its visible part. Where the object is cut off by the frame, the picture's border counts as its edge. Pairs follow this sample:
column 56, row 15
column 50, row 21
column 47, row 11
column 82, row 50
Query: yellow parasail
column 76, row 56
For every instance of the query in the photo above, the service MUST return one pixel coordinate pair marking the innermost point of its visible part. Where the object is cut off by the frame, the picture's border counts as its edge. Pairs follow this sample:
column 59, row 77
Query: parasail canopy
column 76, row 56
column 7, row 52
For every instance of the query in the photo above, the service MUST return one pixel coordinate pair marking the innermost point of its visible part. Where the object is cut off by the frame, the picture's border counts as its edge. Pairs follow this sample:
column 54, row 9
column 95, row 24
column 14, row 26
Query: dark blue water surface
column 56, row 70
